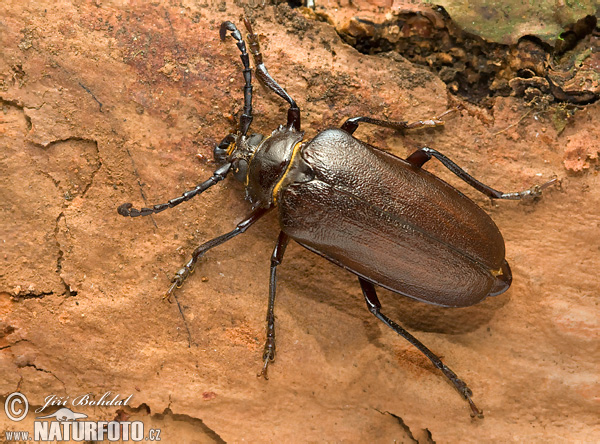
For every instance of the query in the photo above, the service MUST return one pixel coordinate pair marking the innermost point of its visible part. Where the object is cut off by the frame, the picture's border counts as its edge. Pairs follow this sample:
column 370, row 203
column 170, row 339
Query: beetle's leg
column 351, row 124
column 182, row 274
column 374, row 306
column 293, row 118
column 127, row 209
column 276, row 259
column 419, row 157
column 246, row 118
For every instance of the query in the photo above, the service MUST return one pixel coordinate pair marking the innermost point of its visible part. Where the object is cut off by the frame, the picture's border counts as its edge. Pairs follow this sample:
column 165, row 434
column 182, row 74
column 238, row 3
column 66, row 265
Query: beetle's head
column 237, row 150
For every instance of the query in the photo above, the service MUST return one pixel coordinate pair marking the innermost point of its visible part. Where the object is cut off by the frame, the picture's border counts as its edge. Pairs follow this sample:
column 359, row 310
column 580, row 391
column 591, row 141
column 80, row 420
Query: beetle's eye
column 220, row 154
column 240, row 169
column 224, row 149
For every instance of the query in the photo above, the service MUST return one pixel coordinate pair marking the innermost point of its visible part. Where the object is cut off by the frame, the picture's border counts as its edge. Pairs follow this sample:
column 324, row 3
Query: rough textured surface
column 102, row 104
column 507, row 21
column 473, row 68
column 501, row 22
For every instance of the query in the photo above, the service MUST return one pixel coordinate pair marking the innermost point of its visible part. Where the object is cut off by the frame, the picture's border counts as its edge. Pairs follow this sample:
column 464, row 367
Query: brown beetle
column 382, row 218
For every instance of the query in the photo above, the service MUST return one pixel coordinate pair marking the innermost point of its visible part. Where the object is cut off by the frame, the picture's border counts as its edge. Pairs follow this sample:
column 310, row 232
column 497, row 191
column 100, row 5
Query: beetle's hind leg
column 276, row 259
column 374, row 306
column 188, row 268
column 419, row 157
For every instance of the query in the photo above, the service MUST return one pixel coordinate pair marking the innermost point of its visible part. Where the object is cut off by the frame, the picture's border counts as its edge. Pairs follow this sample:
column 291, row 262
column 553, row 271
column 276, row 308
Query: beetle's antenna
column 270, row 82
column 246, row 118
column 127, row 210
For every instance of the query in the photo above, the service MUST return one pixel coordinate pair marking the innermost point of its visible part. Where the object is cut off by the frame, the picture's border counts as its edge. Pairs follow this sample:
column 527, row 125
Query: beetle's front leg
column 188, row 268
column 293, row 117
column 375, row 306
column 276, row 259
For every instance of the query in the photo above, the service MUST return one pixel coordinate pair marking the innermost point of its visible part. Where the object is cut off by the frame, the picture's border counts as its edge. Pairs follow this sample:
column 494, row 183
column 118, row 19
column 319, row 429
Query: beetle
column 383, row 218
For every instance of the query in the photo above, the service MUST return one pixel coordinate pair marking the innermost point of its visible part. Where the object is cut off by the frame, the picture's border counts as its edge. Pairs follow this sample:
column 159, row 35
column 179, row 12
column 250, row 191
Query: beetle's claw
column 169, row 292
column 464, row 390
column 177, row 281
column 549, row 183
column 475, row 412
column 268, row 356
column 445, row 113
column 263, row 372
column 467, row 393
column 536, row 191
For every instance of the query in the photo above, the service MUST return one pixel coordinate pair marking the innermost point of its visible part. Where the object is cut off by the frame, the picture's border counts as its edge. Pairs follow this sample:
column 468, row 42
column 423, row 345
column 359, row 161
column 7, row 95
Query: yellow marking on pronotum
column 295, row 151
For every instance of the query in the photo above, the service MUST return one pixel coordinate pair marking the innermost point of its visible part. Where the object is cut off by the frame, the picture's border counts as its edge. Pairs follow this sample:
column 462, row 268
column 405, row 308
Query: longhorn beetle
column 383, row 218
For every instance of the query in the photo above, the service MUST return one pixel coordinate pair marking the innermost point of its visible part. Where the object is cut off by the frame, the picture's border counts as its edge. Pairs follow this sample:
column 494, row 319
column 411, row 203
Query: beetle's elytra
column 382, row 218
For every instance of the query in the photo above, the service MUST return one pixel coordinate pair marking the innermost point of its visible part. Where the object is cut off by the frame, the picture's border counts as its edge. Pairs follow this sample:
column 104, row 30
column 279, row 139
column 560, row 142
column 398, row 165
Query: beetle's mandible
column 383, row 218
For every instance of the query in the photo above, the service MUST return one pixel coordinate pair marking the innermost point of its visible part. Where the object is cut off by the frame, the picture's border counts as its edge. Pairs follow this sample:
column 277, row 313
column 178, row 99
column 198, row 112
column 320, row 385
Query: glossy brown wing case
column 393, row 224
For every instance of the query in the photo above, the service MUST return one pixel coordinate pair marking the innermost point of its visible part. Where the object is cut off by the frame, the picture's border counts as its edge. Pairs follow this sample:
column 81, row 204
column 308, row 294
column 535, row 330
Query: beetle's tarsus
column 181, row 276
column 431, row 123
column 463, row 389
column 533, row 192
column 466, row 392
column 263, row 372
column 168, row 293
column 475, row 411
column 177, row 281
column 536, row 190
column 551, row 182
column 435, row 121
column 268, row 356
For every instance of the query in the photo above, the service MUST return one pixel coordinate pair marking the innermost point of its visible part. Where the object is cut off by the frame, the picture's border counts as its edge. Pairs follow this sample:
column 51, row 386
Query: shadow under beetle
column 382, row 218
